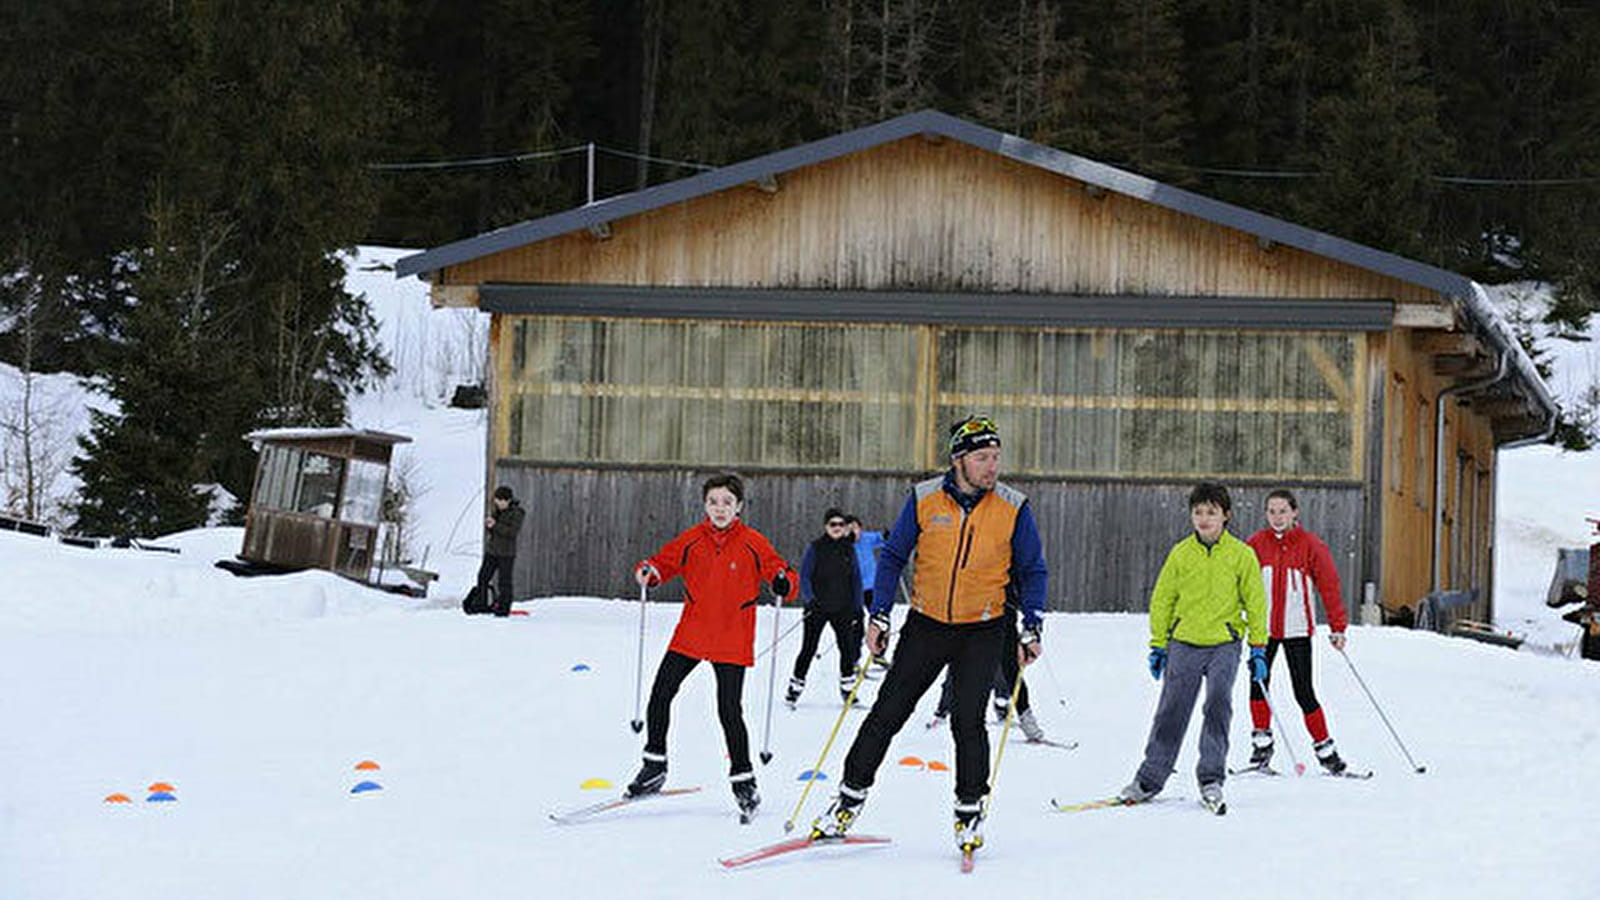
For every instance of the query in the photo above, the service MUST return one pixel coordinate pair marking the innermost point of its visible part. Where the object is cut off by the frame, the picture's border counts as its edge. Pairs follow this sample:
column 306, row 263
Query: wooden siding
column 1408, row 484
column 1104, row 540
column 921, row 215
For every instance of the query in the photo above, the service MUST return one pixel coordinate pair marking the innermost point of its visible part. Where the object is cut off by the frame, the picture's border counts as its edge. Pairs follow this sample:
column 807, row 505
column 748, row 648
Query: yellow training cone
column 595, row 784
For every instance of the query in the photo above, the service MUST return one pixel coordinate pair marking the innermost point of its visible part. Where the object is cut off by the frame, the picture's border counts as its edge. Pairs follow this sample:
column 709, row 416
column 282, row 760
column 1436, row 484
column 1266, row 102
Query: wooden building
column 317, row 502
column 816, row 317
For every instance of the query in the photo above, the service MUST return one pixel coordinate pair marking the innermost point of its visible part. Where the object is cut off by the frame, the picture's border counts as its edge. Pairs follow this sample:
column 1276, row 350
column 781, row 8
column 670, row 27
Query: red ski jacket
column 722, row 576
column 1291, row 564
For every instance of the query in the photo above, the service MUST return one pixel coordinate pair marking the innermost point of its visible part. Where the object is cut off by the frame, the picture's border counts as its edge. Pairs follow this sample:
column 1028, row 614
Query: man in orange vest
column 975, row 541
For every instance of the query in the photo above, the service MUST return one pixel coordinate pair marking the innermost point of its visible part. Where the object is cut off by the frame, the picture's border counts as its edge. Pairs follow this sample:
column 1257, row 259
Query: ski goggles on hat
column 972, row 433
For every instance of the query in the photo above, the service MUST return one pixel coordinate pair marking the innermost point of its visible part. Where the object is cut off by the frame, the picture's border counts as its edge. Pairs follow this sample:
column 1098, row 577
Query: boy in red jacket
column 723, row 563
column 1293, row 560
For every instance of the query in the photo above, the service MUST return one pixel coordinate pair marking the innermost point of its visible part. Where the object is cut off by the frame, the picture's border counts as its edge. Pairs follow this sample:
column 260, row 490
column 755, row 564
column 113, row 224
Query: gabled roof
column 932, row 122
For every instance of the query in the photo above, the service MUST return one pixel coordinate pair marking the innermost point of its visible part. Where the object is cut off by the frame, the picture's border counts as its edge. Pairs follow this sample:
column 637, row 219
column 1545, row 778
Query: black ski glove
column 780, row 584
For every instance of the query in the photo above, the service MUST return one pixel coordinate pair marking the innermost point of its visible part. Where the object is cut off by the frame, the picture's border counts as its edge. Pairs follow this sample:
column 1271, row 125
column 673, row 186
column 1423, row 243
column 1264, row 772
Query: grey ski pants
column 1187, row 667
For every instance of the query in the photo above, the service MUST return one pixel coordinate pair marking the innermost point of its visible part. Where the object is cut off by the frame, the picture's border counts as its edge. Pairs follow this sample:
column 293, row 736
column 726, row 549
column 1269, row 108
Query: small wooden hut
column 318, row 499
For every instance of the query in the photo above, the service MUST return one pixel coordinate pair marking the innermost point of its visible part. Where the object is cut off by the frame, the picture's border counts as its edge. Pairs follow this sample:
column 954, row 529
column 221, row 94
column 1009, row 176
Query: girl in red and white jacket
column 1293, row 561
column 723, row 563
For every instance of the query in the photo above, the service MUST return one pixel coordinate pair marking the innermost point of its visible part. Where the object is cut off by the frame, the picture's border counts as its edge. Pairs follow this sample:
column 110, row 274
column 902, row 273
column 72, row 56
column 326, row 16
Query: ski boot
column 792, row 696
column 1030, row 726
column 652, row 775
column 1260, row 748
column 969, row 826
column 1211, row 797
column 846, row 686
column 744, row 793
column 1001, row 707
column 1328, row 755
column 1136, row 793
column 840, row 816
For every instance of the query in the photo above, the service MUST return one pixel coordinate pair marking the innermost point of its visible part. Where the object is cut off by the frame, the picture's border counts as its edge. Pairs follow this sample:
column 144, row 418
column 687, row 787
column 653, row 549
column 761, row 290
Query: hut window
column 363, row 492
column 319, row 485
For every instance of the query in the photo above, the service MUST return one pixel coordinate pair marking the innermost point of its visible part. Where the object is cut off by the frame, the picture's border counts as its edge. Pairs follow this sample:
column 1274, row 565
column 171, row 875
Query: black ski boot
column 969, row 825
column 744, row 793
column 652, row 775
column 840, row 816
column 792, row 696
column 1328, row 755
column 1260, row 748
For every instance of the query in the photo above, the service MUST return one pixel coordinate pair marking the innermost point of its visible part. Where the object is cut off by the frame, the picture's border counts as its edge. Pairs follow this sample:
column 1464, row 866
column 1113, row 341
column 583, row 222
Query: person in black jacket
column 500, row 548
column 830, row 584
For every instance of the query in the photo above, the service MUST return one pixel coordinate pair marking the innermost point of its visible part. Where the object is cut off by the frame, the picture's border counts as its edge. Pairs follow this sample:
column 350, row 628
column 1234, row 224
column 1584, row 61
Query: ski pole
column 861, row 675
column 1005, row 732
column 637, row 724
column 1061, row 696
column 1272, row 716
column 784, row 637
column 772, row 680
column 1401, row 744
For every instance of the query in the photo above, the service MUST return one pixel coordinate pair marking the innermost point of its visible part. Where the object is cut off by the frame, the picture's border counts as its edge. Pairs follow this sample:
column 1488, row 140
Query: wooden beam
column 453, row 295
column 1463, row 368
column 1448, row 343
column 1423, row 315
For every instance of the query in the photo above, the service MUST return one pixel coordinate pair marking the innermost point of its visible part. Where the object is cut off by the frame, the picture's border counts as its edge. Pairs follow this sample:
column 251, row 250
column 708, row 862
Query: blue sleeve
column 893, row 555
column 1028, row 569
column 807, row 564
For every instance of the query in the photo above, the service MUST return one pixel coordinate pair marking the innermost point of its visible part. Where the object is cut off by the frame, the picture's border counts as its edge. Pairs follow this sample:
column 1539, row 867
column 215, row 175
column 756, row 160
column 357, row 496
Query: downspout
column 1439, row 406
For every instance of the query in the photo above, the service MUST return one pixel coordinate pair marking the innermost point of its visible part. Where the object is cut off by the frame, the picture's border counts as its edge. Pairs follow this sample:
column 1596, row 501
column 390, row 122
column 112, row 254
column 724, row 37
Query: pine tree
column 1136, row 110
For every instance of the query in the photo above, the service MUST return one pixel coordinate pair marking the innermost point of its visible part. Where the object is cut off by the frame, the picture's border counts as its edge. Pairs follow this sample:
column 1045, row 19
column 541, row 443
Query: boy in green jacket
column 1208, row 596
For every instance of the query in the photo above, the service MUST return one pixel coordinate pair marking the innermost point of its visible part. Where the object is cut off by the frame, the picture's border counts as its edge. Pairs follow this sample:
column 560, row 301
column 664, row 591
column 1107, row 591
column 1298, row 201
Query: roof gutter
column 1493, row 326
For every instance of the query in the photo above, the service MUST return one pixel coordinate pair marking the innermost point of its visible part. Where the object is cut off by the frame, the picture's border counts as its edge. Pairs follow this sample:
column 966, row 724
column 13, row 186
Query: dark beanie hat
column 971, row 433
column 502, row 493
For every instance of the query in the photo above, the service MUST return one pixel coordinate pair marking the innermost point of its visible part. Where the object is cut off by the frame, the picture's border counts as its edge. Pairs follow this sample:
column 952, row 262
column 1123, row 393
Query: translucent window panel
column 280, row 477
column 319, row 485
column 1158, row 403
column 648, row 391
column 363, row 492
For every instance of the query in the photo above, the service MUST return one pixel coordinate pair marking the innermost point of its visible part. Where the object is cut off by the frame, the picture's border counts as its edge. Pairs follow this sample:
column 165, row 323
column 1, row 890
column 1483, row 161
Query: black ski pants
column 846, row 625
column 1297, row 652
column 1005, row 677
column 972, row 653
column 675, row 667
column 501, row 565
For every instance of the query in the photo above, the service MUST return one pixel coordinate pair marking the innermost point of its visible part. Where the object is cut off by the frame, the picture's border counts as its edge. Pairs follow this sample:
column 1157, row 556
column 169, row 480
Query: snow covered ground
column 256, row 698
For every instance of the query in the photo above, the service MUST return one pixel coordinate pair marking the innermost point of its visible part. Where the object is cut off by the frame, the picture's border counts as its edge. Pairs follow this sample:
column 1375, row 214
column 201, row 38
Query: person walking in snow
column 830, row 586
column 973, row 537
column 723, row 562
column 500, row 548
column 1293, row 561
column 1208, row 596
column 868, row 542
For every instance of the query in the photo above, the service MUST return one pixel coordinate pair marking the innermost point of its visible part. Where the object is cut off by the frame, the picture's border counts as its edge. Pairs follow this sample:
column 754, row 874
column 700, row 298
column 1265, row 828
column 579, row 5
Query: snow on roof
column 312, row 434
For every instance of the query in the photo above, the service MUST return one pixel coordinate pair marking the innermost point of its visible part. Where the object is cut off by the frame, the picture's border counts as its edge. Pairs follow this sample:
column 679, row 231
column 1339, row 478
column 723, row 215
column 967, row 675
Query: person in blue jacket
column 868, row 543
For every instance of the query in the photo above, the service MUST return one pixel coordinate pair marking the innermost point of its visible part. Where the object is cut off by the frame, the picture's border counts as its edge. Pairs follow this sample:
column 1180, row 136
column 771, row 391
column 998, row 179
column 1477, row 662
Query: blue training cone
column 366, row 786
column 161, row 797
column 581, row 667
column 811, row 775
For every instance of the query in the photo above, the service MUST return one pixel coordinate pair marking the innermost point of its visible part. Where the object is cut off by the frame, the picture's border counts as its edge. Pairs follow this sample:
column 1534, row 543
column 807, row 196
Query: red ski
column 793, row 845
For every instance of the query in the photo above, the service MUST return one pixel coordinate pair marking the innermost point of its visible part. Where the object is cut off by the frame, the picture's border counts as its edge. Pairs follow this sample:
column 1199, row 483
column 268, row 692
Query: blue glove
column 1158, row 662
column 1258, row 664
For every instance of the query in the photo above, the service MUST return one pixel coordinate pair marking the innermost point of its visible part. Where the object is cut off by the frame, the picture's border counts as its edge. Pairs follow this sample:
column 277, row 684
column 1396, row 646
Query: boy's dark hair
column 1283, row 494
column 727, row 480
column 852, row 519
column 1211, row 492
column 503, row 493
column 835, row 512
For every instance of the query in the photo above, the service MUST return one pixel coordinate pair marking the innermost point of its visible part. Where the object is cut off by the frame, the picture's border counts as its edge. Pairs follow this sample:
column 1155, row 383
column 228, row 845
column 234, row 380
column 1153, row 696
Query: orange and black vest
column 963, row 559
